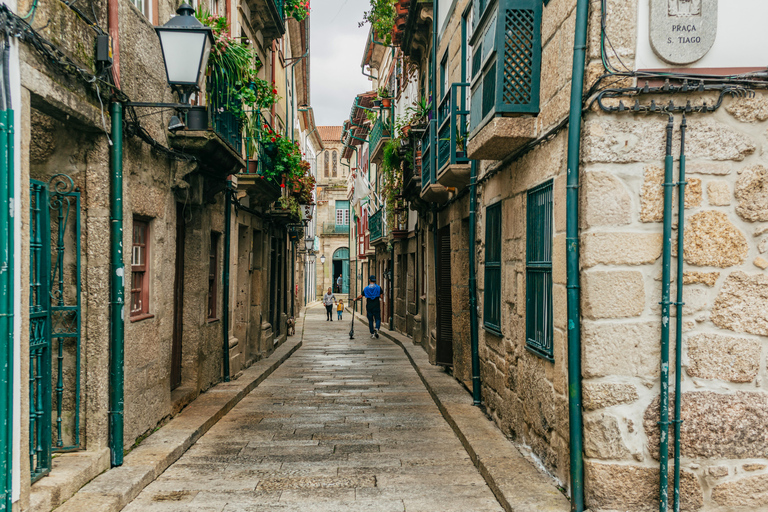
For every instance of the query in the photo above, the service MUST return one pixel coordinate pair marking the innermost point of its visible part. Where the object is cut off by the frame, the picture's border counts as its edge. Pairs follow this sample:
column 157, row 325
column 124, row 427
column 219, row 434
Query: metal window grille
column 492, row 295
column 538, row 276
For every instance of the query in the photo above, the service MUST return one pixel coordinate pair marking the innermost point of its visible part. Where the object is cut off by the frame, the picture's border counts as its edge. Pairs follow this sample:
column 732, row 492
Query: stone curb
column 518, row 485
column 114, row 489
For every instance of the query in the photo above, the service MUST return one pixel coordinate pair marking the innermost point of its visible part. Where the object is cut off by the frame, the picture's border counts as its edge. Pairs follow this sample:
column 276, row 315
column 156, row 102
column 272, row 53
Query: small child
column 340, row 308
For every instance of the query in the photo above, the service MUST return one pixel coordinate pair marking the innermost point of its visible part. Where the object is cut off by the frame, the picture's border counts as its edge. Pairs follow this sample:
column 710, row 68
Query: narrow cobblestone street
column 338, row 427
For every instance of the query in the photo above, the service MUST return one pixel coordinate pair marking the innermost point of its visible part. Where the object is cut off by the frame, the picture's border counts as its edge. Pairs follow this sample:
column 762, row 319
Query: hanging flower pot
column 386, row 102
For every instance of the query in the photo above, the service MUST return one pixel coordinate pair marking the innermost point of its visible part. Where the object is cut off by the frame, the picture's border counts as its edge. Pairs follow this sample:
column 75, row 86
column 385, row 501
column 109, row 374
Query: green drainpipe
column 116, row 300
column 473, row 333
column 6, row 304
column 225, row 280
column 665, row 307
column 9, row 310
column 679, row 313
column 576, row 440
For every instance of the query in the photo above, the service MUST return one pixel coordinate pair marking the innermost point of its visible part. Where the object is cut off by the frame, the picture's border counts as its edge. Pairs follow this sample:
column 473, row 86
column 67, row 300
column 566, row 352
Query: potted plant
column 386, row 100
column 382, row 17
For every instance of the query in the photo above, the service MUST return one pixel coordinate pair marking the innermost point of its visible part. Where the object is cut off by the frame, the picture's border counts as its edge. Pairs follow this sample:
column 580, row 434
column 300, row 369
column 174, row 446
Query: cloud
column 337, row 45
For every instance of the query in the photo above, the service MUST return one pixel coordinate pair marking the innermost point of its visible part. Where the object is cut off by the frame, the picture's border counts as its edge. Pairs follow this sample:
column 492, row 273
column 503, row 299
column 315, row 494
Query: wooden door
column 444, row 307
column 178, row 299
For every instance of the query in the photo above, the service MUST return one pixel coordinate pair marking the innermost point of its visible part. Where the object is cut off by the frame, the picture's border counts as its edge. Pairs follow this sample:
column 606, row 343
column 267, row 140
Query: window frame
column 538, row 262
column 213, row 277
column 344, row 212
column 492, row 269
column 142, row 270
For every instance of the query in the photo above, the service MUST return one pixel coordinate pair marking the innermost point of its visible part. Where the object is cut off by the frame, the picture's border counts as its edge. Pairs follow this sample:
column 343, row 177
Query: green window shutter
column 538, row 275
column 519, row 47
column 492, row 296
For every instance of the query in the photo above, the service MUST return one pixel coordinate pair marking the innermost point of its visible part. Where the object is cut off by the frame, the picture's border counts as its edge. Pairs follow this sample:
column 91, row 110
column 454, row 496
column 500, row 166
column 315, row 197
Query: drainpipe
column 293, row 276
column 665, row 307
column 114, row 33
column 7, row 276
column 9, row 309
column 225, row 288
column 679, row 310
column 116, row 300
column 392, row 288
column 473, row 333
column 576, row 440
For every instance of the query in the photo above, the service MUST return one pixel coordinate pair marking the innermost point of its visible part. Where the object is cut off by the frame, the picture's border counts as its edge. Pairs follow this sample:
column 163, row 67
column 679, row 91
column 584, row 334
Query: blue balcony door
column 341, row 267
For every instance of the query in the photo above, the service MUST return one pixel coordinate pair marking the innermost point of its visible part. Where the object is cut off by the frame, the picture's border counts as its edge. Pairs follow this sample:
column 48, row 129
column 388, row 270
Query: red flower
column 274, row 91
column 282, row 185
column 273, row 139
column 266, row 127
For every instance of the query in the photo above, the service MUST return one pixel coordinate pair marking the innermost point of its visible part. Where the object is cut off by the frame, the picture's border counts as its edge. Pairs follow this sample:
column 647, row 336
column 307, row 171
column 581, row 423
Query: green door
column 342, row 254
column 54, row 329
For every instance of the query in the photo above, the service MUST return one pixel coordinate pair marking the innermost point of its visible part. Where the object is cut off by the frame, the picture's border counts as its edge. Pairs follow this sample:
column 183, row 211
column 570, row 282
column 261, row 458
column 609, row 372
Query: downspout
column 665, row 310
column 576, row 440
column 679, row 311
column 6, row 271
column 473, row 332
column 9, row 309
column 293, row 276
column 392, row 288
column 117, row 292
column 114, row 34
column 225, row 281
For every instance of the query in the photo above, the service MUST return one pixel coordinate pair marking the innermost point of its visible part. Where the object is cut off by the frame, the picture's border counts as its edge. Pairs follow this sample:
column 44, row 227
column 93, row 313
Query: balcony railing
column 427, row 175
column 380, row 132
column 222, row 108
column 330, row 228
column 376, row 225
column 452, row 127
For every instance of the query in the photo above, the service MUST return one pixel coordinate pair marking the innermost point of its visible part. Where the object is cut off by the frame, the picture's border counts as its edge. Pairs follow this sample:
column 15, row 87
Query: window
column 143, row 6
column 139, row 270
column 538, row 271
column 342, row 213
column 444, row 75
column 335, row 159
column 506, row 59
column 327, row 164
column 213, row 272
column 492, row 296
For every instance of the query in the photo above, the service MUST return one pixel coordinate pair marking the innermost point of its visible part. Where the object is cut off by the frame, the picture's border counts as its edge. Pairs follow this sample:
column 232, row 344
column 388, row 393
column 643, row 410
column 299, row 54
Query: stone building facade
column 333, row 216
column 174, row 208
column 521, row 166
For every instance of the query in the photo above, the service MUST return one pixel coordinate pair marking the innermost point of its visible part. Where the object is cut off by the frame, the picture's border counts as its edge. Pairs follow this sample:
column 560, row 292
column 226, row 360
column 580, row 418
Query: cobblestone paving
column 342, row 426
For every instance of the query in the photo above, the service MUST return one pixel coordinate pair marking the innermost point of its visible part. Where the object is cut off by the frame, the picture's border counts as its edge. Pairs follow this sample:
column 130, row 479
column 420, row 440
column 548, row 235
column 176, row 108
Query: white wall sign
column 683, row 31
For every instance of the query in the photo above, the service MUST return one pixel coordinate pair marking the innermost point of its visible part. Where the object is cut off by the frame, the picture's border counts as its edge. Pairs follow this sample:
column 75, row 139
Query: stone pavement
column 343, row 425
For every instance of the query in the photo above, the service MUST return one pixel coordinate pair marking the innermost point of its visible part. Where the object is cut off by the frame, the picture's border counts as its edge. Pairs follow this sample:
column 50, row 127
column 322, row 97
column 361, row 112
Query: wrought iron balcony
column 376, row 226
column 330, row 228
column 452, row 127
column 427, row 177
column 268, row 16
column 379, row 136
column 223, row 115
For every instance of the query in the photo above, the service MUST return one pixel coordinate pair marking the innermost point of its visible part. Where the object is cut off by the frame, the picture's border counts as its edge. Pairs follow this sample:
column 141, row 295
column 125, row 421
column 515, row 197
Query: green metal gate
column 54, row 328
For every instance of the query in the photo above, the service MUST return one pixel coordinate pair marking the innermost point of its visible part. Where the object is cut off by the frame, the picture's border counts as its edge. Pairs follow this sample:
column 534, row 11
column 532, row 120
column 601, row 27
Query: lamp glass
column 311, row 258
column 322, row 259
column 185, row 53
column 309, row 243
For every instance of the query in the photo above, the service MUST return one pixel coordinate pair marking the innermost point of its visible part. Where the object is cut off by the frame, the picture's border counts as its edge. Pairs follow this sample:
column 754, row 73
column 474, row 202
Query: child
column 340, row 308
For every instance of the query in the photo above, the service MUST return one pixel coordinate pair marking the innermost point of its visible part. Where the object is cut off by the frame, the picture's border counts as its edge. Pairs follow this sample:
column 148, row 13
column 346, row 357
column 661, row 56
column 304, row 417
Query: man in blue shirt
column 372, row 293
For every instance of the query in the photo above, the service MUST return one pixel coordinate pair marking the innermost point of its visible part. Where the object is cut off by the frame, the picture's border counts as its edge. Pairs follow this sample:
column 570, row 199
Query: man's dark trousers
column 373, row 314
column 329, row 312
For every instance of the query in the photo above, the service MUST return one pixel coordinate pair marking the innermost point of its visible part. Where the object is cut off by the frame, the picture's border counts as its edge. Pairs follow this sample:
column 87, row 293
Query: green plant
column 419, row 110
column 383, row 92
column 296, row 9
column 291, row 204
column 371, row 115
column 302, row 184
column 382, row 17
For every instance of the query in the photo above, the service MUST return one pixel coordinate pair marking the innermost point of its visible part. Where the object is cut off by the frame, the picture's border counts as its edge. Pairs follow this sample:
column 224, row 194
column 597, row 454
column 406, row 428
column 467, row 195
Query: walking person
column 329, row 299
column 339, row 281
column 372, row 293
column 340, row 308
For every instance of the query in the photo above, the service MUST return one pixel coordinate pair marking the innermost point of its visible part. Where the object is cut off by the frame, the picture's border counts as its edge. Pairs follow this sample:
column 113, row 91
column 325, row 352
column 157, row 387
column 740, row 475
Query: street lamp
column 322, row 259
column 186, row 44
column 309, row 243
column 312, row 257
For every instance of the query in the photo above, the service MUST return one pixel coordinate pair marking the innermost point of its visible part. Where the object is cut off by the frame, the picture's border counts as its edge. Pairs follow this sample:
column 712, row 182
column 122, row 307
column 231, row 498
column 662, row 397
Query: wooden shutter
column 538, row 276
column 444, row 327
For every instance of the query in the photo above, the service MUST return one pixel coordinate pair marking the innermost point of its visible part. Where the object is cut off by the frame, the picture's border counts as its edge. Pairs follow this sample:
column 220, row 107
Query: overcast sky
column 336, row 52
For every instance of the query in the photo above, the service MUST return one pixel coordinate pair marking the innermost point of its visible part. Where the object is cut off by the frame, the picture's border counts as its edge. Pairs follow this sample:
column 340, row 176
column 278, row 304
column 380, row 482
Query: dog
column 291, row 324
